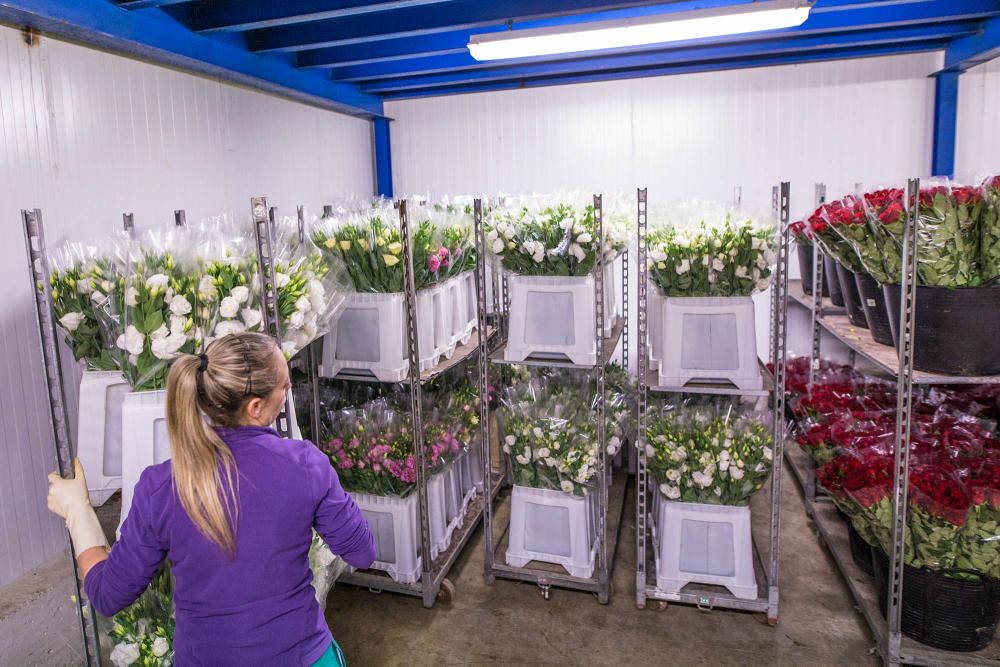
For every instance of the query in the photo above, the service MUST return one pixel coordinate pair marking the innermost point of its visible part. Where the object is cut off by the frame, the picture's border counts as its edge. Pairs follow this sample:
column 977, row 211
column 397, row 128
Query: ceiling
column 357, row 54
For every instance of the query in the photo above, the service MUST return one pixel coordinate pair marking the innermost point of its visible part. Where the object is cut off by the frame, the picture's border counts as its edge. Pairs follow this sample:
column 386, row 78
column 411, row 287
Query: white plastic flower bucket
column 370, row 335
column 441, row 498
column 553, row 318
column 706, row 544
column 711, row 339
column 553, row 527
column 654, row 323
column 469, row 318
column 144, row 432
column 396, row 531
column 444, row 338
column 99, row 432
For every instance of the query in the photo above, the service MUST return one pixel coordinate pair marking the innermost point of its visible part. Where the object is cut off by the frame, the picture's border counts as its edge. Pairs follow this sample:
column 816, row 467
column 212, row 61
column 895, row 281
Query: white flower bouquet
column 227, row 285
column 143, row 634
column 550, row 435
column 310, row 289
column 707, row 250
column 82, row 277
column 717, row 454
column 542, row 236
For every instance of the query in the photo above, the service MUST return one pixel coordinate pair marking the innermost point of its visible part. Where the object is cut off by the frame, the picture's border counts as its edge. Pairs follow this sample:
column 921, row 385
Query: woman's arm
column 339, row 520
column 89, row 558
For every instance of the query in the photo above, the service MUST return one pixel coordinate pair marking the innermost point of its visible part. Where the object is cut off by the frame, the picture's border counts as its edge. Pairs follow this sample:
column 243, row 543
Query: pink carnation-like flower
column 433, row 263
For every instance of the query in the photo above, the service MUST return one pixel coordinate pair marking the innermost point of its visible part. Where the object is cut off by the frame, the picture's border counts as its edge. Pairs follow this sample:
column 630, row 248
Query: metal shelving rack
column 709, row 597
column 610, row 501
column 892, row 646
column 38, row 269
column 433, row 584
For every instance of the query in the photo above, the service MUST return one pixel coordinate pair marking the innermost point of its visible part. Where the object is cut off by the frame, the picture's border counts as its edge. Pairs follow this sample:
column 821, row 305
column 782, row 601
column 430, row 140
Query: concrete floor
column 510, row 624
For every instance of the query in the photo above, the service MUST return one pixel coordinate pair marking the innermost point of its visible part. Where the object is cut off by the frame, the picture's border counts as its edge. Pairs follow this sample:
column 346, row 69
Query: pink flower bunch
column 438, row 260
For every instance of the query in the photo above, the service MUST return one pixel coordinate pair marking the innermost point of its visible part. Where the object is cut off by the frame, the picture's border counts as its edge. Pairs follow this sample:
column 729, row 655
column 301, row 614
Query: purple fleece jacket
column 259, row 607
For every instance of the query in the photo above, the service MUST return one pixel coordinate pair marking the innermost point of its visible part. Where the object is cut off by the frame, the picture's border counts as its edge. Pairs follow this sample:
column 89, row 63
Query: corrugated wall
column 688, row 136
column 85, row 136
column 977, row 152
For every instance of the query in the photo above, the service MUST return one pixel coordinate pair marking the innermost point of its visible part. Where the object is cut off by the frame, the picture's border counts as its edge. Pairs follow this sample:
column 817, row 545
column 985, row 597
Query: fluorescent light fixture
column 658, row 29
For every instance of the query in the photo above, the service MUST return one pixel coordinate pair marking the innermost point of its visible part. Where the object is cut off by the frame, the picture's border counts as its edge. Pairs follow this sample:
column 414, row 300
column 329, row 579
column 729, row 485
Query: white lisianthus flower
column 768, row 453
column 179, row 305
column 510, row 440
column 302, row 305
column 131, row 341
column 83, row 286
column 762, row 284
column 701, row 479
column 566, row 486
column 281, row 279
column 673, row 474
column 584, row 238
column 717, row 491
column 614, row 444
column 497, row 246
column 206, row 288
column 317, row 295
column 177, row 323
column 506, row 448
column 161, row 332
column 670, row 491
column 241, row 293
column 567, row 224
column 229, row 307
column 527, row 452
column 491, row 235
column 288, row 349
column 160, row 647
column 124, row 655
column 741, row 272
column 71, row 321
column 542, row 453
column 168, row 348
column 522, row 459
column 130, row 297
column 718, row 265
column 157, row 280
column 650, row 451
column 226, row 327
column 98, row 299
column 736, row 473
column 761, row 262
column 297, row 319
column 678, row 454
column 251, row 317
column 658, row 256
column 683, row 267
column 537, row 432
column 577, row 251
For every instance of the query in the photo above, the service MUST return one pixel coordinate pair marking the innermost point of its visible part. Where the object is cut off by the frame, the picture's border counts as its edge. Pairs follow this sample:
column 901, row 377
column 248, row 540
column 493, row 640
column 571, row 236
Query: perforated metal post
column 312, row 350
column 904, row 406
column 180, row 218
column 641, row 490
column 128, row 224
column 416, row 408
column 38, row 269
column 817, row 303
column 775, row 213
column 604, row 592
column 263, row 219
column 778, row 359
column 484, row 390
column 328, row 210
column 625, row 312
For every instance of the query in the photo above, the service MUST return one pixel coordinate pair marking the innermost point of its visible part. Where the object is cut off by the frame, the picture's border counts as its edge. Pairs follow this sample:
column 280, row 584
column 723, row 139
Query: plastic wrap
column 310, row 290
column 227, row 261
column 989, row 251
column 454, row 252
column 372, row 450
column 83, row 277
column 326, row 568
column 707, row 249
column 553, row 236
column 822, row 223
column 717, row 452
column 143, row 634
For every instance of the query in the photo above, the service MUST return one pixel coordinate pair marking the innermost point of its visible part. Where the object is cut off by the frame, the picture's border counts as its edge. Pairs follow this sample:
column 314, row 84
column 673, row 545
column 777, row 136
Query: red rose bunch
column 989, row 252
column 826, row 222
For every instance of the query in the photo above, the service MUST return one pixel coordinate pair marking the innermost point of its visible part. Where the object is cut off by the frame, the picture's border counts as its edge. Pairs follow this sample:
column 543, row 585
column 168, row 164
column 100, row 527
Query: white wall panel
column 86, row 135
column 688, row 136
column 977, row 151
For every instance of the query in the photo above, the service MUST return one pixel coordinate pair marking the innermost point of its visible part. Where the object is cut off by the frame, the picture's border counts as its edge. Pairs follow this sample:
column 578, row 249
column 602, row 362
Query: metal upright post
column 604, row 593
column 416, row 408
column 484, row 392
column 128, row 224
column 817, row 302
column 904, row 405
column 641, row 486
column 263, row 220
column 775, row 213
column 327, row 210
column 779, row 352
column 311, row 352
column 180, row 218
column 38, row 269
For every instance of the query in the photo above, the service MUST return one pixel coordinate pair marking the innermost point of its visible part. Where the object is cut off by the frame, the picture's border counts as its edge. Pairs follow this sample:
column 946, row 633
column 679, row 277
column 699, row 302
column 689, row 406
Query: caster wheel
column 772, row 621
column 662, row 606
column 447, row 592
column 490, row 579
column 640, row 605
column 546, row 591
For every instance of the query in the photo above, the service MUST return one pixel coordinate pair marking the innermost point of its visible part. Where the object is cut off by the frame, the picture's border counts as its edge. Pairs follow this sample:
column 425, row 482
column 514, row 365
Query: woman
column 232, row 511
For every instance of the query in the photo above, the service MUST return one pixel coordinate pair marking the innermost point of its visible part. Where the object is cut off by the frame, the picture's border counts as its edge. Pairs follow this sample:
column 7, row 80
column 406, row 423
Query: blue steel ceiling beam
column 146, row 4
column 827, row 16
column 748, row 63
column 772, row 43
column 208, row 16
column 154, row 36
column 945, row 124
column 968, row 52
column 790, row 47
column 460, row 15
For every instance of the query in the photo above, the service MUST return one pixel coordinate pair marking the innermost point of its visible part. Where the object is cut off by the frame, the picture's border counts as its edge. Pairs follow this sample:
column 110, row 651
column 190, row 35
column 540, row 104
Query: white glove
column 68, row 498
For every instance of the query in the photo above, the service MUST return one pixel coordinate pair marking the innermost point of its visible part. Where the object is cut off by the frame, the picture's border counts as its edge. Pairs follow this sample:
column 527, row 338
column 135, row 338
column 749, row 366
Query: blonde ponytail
column 212, row 390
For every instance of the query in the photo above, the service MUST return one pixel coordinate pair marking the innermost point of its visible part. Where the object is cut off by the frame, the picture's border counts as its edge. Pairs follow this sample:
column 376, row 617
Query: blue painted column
column 945, row 123
column 383, row 157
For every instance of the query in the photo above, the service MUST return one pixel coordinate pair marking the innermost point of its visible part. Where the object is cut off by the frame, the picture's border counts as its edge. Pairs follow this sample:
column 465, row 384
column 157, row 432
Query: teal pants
column 333, row 657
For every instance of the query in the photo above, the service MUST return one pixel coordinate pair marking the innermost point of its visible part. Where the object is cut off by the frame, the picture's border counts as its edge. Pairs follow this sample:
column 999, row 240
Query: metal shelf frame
column 767, row 572
column 546, row 577
column 433, row 584
column 893, row 648
column 38, row 270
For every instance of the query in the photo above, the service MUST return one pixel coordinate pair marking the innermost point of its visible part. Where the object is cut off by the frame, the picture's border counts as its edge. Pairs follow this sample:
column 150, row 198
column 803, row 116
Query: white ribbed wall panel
column 977, row 150
column 686, row 136
column 86, row 135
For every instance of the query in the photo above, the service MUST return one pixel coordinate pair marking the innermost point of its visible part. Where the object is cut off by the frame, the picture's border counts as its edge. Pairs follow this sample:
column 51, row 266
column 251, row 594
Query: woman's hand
column 68, row 498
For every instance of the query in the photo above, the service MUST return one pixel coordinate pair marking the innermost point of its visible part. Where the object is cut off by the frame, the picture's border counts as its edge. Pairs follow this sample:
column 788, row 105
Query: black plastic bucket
column 830, row 271
column 956, row 329
column 861, row 551
column 941, row 611
column 852, row 300
column 873, row 305
column 805, row 255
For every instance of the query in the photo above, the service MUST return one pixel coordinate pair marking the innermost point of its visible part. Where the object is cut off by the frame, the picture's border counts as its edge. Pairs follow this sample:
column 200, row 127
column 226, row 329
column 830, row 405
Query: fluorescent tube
column 680, row 26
